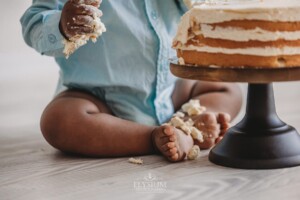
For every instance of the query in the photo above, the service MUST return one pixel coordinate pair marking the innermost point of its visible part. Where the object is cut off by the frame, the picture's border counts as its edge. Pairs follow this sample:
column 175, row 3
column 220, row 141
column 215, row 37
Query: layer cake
column 245, row 33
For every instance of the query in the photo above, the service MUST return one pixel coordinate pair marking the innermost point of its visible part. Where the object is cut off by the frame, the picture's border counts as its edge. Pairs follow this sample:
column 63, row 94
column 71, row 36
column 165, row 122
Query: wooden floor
column 31, row 169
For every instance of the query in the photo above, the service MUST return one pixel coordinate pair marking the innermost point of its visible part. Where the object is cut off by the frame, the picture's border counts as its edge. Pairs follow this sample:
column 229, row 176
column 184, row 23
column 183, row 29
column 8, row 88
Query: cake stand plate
column 261, row 140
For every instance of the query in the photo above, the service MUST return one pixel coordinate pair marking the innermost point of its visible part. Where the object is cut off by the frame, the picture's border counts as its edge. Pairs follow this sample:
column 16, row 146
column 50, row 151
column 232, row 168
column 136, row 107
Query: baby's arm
column 41, row 23
column 40, row 27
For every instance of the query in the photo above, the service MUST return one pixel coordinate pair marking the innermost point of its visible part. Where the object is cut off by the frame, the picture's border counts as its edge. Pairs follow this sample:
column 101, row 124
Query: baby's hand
column 77, row 17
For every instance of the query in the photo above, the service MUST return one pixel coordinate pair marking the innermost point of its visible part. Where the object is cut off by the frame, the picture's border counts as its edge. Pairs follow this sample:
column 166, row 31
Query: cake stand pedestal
column 261, row 140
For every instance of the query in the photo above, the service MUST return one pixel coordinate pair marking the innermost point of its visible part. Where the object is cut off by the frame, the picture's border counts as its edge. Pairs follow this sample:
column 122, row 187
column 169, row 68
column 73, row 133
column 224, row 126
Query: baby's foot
column 224, row 120
column 172, row 142
column 213, row 127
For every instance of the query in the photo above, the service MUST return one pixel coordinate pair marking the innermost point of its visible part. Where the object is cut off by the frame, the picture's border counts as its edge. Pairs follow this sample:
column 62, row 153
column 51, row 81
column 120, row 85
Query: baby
column 113, row 96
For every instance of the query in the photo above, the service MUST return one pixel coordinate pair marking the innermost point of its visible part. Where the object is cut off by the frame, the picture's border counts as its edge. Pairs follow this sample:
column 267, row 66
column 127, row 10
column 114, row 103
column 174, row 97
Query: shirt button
column 154, row 15
column 52, row 38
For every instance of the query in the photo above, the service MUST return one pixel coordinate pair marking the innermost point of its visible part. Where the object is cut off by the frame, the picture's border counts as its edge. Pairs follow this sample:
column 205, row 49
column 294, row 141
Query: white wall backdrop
column 27, row 79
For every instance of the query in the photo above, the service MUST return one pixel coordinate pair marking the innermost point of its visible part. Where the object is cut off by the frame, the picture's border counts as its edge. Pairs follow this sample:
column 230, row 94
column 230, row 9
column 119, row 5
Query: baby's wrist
column 62, row 31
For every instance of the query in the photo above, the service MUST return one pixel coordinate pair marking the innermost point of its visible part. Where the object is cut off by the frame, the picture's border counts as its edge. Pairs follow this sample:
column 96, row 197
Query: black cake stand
column 261, row 140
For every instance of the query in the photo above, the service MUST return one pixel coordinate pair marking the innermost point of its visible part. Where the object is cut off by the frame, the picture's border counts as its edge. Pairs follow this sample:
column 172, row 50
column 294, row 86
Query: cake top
column 244, row 4
column 216, row 11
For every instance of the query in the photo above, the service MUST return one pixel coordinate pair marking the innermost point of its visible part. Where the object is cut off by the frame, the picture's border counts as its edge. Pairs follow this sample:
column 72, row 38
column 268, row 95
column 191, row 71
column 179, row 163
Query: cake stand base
column 261, row 140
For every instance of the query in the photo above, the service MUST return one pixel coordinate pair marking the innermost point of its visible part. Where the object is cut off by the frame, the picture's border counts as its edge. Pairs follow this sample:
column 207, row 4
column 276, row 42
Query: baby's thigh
column 182, row 92
column 68, row 111
column 82, row 101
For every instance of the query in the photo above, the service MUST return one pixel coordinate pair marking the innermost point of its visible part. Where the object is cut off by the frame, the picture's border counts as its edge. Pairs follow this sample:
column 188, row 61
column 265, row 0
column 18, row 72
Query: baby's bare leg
column 222, row 100
column 172, row 142
column 216, row 97
column 78, row 122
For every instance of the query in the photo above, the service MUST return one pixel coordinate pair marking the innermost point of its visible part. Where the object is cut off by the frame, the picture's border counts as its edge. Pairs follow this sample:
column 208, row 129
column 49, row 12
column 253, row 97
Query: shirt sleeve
column 183, row 4
column 40, row 27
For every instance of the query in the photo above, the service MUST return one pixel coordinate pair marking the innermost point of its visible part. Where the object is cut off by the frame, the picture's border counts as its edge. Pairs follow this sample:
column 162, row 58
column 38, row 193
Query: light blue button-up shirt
column 128, row 67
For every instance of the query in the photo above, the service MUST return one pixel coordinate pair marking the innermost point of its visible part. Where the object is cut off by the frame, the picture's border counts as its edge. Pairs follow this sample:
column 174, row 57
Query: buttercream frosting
column 266, row 51
column 208, row 12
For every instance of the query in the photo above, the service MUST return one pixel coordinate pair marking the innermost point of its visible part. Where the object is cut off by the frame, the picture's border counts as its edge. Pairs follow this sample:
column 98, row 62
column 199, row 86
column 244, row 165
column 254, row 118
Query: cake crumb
column 186, row 129
column 193, row 107
column 189, row 122
column 196, row 134
column 177, row 122
column 214, row 66
column 181, row 61
column 137, row 161
column 178, row 114
column 194, row 153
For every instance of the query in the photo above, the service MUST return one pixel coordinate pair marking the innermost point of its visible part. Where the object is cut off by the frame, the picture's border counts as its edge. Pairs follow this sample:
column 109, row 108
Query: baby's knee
column 51, row 125
column 61, row 120
column 65, row 120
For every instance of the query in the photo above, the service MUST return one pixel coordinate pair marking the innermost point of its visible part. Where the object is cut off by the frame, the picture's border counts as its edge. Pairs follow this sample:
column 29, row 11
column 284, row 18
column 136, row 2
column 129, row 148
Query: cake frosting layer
column 239, row 34
column 265, row 25
column 237, row 60
column 263, row 33
column 212, row 13
column 268, row 10
column 201, row 41
column 266, row 51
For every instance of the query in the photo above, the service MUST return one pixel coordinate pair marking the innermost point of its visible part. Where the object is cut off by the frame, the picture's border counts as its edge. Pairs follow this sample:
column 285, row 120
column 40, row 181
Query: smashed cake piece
column 197, row 134
column 137, row 161
column 189, row 122
column 186, row 129
column 195, row 111
column 193, row 107
column 177, row 122
column 179, row 114
column 194, row 153
column 77, row 41
column 181, row 61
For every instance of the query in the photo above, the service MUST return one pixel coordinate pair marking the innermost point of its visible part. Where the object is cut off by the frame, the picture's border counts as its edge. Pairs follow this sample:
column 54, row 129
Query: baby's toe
column 218, row 139
column 169, row 130
column 168, row 146
column 208, row 143
column 174, row 157
column 223, row 118
column 223, row 131
column 171, row 152
column 166, row 139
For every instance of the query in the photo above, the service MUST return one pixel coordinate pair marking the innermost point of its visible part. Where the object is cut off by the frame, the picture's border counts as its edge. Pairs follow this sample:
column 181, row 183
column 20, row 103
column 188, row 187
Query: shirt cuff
column 52, row 37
